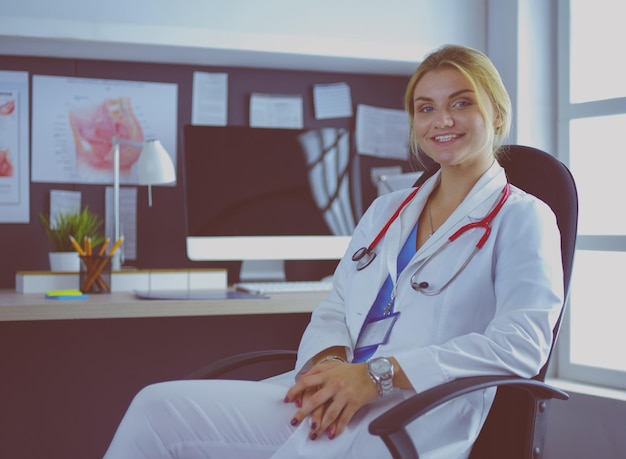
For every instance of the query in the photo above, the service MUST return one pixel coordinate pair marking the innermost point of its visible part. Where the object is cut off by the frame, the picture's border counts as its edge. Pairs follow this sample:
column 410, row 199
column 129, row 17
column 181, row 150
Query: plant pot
column 64, row 261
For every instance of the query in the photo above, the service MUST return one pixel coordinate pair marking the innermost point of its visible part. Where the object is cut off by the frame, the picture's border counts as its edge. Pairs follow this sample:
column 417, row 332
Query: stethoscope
column 365, row 255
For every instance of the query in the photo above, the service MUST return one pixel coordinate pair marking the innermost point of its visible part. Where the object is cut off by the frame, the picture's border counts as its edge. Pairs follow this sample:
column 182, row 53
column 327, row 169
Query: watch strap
column 383, row 382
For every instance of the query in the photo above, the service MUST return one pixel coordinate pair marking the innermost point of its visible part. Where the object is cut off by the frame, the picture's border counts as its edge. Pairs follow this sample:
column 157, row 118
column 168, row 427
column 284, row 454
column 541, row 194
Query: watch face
column 380, row 366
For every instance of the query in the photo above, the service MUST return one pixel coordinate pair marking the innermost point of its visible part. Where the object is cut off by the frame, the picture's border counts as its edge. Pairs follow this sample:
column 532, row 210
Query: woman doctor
column 419, row 313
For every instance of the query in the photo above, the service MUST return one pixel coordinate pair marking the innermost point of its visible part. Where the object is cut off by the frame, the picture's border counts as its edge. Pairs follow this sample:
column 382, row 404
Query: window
column 591, row 118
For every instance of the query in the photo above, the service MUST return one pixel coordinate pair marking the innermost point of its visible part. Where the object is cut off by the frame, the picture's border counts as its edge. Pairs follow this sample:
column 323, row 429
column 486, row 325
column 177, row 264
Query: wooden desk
column 66, row 383
column 34, row 306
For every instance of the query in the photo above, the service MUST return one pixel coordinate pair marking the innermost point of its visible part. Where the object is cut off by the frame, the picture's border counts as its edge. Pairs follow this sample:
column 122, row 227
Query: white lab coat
column 495, row 318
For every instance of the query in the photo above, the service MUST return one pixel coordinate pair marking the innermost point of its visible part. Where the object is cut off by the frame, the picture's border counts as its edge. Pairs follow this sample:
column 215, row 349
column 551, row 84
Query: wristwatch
column 380, row 370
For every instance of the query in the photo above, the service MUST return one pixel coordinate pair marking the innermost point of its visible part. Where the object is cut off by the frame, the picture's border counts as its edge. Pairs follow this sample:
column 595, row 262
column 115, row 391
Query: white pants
column 222, row 419
column 204, row 419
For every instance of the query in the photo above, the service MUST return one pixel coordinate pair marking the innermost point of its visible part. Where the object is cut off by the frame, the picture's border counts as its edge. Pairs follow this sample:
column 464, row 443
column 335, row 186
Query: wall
column 351, row 35
column 24, row 246
column 586, row 426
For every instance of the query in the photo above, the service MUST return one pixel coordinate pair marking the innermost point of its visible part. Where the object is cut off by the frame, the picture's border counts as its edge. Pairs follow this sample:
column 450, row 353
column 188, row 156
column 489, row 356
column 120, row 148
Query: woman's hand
column 331, row 393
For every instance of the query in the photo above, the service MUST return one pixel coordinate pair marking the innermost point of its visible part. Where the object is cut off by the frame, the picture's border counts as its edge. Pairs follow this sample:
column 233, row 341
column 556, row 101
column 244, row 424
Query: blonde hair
column 480, row 72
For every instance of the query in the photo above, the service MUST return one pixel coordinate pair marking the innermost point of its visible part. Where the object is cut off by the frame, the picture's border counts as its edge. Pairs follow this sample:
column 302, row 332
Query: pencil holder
column 95, row 274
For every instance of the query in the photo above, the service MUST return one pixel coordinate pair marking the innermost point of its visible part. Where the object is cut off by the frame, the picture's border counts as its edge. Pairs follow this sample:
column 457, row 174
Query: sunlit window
column 597, row 310
column 598, row 163
column 592, row 120
column 597, row 35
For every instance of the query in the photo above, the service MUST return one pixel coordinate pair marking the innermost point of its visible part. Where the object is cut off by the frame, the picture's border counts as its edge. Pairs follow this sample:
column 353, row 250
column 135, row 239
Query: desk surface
column 19, row 307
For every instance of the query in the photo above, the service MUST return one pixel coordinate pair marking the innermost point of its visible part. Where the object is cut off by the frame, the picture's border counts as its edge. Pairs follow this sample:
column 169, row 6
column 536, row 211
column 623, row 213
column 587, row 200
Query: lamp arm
column 164, row 173
column 116, row 262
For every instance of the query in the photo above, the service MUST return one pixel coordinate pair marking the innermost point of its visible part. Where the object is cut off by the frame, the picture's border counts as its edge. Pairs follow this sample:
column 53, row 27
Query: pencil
column 103, row 247
column 116, row 245
column 77, row 246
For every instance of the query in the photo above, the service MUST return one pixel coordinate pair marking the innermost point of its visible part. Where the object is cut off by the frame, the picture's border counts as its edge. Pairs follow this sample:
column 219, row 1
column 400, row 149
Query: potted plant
column 79, row 225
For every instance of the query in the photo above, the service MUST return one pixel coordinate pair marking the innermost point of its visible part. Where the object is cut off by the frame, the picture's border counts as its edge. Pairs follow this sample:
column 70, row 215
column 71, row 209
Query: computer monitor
column 264, row 196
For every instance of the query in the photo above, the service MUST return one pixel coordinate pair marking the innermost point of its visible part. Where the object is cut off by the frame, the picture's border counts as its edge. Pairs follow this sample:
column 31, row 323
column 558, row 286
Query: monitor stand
column 262, row 271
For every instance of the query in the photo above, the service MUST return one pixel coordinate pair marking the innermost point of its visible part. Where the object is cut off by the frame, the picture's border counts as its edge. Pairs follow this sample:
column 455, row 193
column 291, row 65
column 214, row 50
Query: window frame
column 567, row 111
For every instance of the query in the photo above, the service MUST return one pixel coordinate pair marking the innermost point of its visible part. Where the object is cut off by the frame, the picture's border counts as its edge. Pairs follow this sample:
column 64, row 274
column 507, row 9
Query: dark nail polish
column 286, row 400
column 313, row 436
column 330, row 434
column 298, row 404
column 294, row 422
column 314, row 426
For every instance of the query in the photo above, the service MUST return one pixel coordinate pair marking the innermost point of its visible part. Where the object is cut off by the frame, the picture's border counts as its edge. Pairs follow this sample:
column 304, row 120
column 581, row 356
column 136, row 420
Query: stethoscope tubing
column 485, row 224
column 365, row 255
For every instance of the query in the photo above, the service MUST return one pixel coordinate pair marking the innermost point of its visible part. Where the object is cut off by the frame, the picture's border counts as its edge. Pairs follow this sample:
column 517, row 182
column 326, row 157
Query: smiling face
column 448, row 122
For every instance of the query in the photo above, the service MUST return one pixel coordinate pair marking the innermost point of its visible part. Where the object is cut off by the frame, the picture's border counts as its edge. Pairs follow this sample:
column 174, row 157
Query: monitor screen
column 268, row 194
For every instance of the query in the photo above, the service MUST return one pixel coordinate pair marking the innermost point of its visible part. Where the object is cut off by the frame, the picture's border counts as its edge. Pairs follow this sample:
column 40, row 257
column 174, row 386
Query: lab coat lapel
column 398, row 232
column 473, row 208
column 388, row 252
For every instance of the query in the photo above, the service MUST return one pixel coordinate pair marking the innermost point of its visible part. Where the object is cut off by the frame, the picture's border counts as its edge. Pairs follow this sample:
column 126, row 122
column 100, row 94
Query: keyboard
column 268, row 288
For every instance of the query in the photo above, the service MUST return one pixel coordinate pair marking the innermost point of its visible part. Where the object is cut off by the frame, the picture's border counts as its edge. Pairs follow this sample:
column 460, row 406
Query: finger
column 331, row 414
column 305, row 382
column 331, row 431
column 299, row 401
column 311, row 402
column 338, row 426
column 304, row 395
column 316, row 420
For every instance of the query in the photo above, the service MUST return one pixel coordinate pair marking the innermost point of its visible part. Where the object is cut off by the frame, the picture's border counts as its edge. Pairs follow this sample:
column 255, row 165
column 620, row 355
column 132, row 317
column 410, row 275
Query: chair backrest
column 514, row 423
column 547, row 178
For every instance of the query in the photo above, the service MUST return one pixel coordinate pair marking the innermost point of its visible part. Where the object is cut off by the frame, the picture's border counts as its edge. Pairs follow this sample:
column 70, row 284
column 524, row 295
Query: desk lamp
column 154, row 167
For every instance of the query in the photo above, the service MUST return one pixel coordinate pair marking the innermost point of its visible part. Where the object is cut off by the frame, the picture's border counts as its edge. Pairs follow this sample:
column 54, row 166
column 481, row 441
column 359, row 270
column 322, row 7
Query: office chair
column 516, row 425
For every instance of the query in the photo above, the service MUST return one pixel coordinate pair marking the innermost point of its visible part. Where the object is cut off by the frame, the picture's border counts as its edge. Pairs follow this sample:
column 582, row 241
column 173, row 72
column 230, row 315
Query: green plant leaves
column 79, row 225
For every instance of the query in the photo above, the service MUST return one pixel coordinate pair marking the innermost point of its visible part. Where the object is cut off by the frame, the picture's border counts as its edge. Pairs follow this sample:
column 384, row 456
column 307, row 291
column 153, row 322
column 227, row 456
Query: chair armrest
column 390, row 426
column 222, row 366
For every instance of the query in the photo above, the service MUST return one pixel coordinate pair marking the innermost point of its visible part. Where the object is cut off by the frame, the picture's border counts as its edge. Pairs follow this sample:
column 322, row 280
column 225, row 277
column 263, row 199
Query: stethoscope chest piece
column 419, row 285
column 364, row 256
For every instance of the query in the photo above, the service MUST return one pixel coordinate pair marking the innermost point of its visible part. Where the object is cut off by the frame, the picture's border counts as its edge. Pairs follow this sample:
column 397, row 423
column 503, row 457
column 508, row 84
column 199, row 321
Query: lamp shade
column 154, row 165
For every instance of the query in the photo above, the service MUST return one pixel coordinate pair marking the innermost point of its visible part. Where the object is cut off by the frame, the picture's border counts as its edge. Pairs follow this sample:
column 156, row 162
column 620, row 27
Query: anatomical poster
column 9, row 145
column 76, row 119
column 14, row 134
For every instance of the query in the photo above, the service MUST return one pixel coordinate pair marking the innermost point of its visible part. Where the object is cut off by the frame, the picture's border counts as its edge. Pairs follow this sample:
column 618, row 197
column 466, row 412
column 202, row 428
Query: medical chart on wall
column 209, row 100
column 75, row 120
column 63, row 202
column 332, row 101
column 14, row 135
column 276, row 111
column 128, row 219
column 382, row 132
